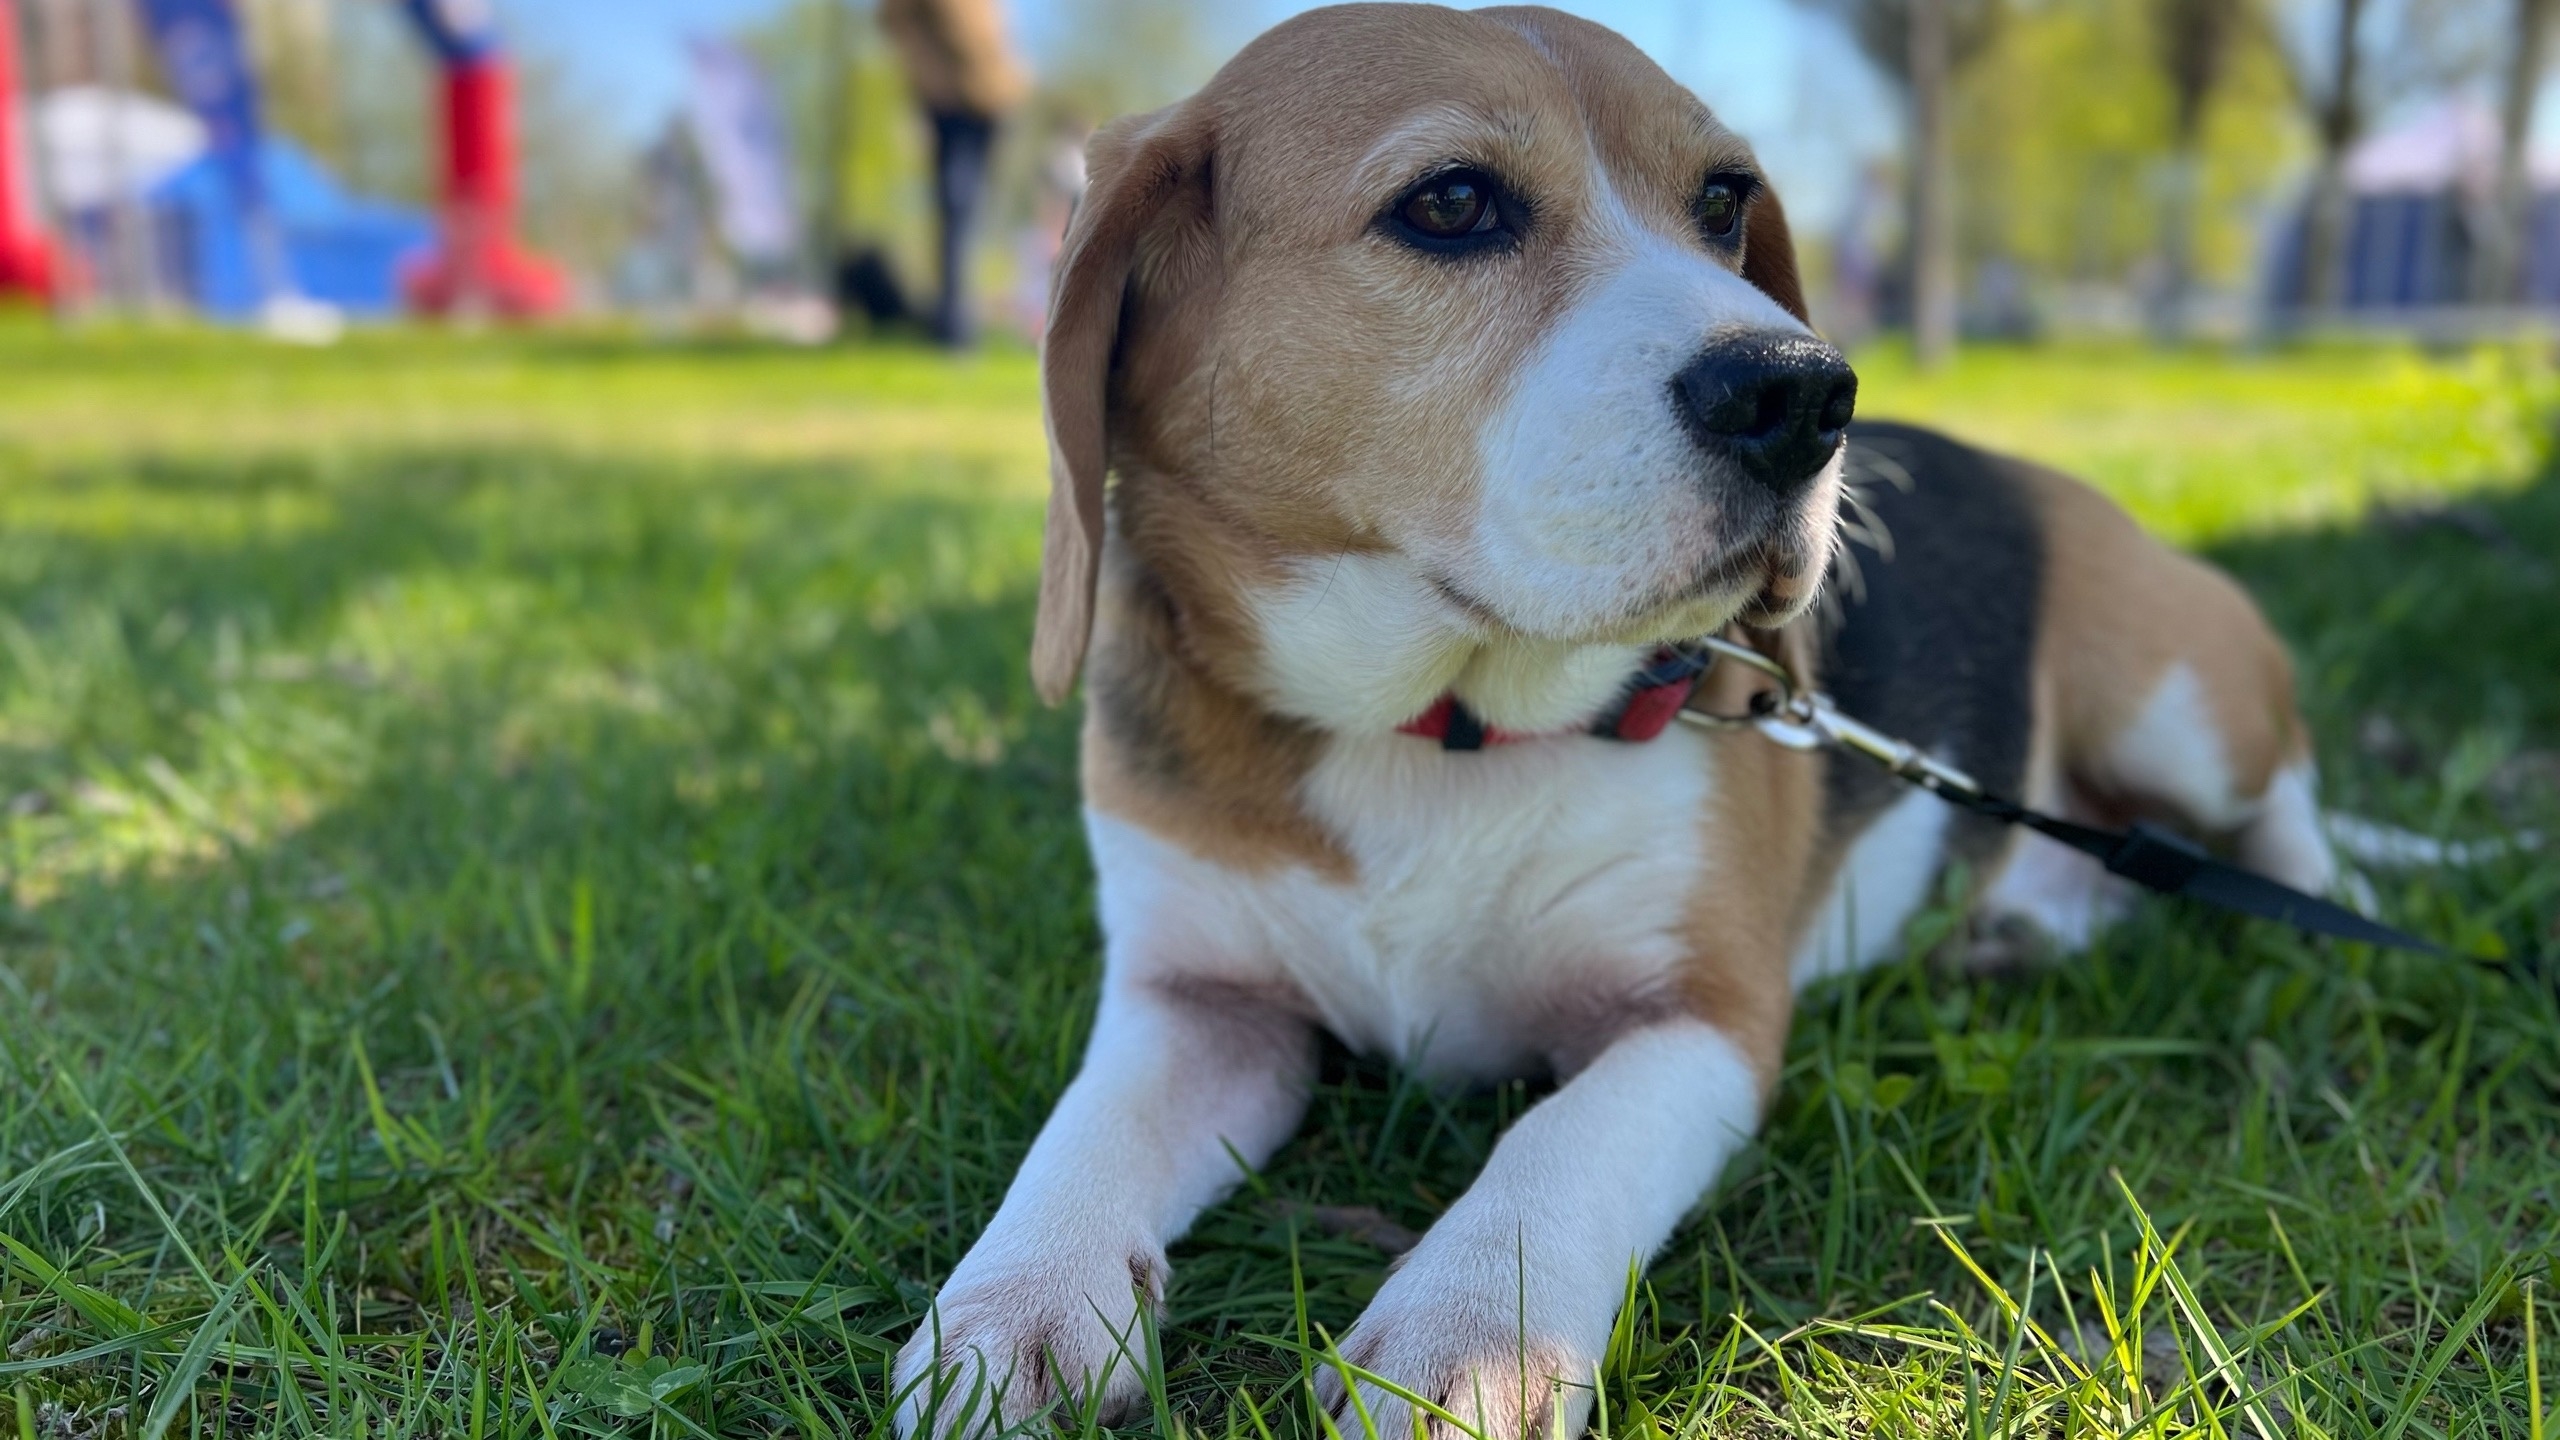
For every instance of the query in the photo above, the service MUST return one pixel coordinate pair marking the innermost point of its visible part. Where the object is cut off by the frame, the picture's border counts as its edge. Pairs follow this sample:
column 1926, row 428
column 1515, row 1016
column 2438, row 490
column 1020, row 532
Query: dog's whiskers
column 1860, row 523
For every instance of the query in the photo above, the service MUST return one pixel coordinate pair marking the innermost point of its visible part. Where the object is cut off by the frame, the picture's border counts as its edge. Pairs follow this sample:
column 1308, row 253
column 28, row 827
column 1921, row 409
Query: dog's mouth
column 1760, row 581
column 1763, row 577
column 1750, row 565
column 1789, row 579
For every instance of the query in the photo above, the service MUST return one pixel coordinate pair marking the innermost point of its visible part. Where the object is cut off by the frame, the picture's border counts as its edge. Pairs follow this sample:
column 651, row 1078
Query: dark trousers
column 962, row 142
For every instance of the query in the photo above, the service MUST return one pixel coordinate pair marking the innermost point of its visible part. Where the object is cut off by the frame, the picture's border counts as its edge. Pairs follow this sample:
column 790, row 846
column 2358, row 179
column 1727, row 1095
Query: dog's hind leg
column 2163, row 695
column 2223, row 757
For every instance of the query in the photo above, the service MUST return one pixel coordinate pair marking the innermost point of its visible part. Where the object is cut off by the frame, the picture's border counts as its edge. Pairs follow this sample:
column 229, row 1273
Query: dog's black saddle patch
column 1933, row 631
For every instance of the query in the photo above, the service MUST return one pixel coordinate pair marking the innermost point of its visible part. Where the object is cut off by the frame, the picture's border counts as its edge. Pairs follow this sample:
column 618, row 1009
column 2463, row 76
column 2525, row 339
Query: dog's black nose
column 1776, row 405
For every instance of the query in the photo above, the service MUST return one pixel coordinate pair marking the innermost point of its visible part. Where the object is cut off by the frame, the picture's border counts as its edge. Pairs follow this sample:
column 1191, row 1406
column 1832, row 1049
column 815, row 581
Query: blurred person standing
column 963, row 72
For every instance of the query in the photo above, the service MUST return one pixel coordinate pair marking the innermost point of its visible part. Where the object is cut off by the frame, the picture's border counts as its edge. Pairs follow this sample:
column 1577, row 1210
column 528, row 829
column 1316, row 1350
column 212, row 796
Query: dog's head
column 1482, row 298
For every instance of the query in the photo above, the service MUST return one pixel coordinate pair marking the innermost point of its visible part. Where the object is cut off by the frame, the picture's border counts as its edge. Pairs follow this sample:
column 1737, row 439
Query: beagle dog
column 1451, row 366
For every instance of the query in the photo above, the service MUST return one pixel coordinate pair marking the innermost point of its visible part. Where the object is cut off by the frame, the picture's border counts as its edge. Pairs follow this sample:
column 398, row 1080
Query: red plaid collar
column 1644, row 709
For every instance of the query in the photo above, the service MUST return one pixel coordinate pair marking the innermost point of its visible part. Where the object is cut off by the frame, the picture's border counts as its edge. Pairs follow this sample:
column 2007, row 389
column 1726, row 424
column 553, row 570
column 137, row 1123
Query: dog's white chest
column 1504, row 904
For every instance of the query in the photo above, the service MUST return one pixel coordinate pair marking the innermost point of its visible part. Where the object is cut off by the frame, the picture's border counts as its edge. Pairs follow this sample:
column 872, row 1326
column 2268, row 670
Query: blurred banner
column 738, row 128
column 207, row 63
column 460, row 30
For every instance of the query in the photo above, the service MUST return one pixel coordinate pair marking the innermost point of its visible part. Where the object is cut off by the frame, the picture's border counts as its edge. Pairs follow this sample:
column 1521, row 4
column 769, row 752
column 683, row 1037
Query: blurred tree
column 2072, row 166
column 577, row 174
column 2070, row 155
column 291, row 44
column 384, row 86
column 2355, row 60
column 1925, row 45
column 2337, row 110
column 834, row 137
column 1933, row 245
column 1117, row 57
column 2193, row 42
column 1882, row 29
column 2416, row 49
column 2499, row 279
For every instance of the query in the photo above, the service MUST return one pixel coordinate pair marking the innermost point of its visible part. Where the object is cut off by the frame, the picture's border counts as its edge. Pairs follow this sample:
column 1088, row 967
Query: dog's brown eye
column 1456, row 212
column 1721, row 206
column 1718, row 209
column 1450, row 207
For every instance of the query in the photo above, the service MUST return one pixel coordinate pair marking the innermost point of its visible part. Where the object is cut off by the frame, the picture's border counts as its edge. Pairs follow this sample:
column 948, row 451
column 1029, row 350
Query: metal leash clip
column 1809, row 721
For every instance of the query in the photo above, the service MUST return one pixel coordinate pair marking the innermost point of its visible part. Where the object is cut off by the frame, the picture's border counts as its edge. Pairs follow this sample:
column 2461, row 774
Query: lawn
column 539, row 902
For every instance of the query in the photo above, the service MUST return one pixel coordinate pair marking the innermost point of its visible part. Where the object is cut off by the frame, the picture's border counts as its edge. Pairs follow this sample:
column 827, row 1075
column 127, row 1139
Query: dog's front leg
column 1178, row 1082
column 1501, row 1314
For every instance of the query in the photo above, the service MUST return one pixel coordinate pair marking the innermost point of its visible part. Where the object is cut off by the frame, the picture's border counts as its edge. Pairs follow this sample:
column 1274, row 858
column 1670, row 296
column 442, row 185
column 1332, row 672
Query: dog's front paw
column 1008, row 1338
column 1456, row 1333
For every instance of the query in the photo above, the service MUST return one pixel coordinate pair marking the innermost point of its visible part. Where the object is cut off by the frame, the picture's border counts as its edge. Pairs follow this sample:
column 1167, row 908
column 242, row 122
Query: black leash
column 2172, row 864
column 2145, row 854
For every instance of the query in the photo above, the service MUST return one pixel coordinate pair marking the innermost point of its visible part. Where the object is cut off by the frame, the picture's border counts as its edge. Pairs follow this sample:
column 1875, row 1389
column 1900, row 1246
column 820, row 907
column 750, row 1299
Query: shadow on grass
column 689, row 927
column 2443, row 619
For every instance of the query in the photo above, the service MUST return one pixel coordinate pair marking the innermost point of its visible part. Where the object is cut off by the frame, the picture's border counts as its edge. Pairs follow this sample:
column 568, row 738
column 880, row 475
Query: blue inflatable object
column 333, row 246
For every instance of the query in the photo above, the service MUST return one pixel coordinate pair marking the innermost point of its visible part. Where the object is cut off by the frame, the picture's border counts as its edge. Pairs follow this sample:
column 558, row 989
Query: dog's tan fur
column 1288, row 402
column 2122, row 609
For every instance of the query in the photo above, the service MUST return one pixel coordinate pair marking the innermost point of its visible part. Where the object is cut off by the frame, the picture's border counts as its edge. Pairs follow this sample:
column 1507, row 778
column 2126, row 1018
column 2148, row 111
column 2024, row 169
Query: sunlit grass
column 2205, row 444
column 539, row 902
column 139, row 390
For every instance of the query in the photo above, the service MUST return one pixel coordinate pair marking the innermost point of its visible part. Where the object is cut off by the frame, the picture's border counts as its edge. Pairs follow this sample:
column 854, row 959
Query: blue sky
column 1787, row 80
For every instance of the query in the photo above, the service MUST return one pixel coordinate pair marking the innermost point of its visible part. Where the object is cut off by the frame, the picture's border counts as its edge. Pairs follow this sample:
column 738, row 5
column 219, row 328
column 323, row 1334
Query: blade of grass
column 179, row 1384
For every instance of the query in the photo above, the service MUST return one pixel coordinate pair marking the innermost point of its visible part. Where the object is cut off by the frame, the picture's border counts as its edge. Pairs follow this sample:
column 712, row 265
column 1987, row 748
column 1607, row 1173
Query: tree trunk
column 2500, row 278
column 2324, row 270
column 2195, row 39
column 1933, row 259
column 835, row 137
column 2179, row 198
column 132, row 279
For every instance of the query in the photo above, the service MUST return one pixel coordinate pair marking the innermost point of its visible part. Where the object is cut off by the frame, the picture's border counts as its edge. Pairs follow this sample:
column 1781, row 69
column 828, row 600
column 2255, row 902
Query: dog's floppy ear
column 1769, row 255
column 1134, row 165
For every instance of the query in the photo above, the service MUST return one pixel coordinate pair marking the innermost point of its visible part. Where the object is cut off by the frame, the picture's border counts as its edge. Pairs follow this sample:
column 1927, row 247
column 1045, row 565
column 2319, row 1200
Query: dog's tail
column 2388, row 847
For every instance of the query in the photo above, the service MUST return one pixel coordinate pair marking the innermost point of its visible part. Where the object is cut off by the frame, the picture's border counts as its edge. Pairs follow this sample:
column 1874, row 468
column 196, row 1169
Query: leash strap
column 2172, row 864
column 2149, row 856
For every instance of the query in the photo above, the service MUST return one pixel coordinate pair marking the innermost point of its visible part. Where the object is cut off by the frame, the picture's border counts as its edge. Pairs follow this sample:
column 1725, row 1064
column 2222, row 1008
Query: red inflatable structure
column 480, row 266
column 26, row 257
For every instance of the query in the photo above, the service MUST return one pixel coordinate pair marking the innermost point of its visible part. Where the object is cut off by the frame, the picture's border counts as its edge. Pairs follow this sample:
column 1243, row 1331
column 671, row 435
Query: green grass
column 540, row 903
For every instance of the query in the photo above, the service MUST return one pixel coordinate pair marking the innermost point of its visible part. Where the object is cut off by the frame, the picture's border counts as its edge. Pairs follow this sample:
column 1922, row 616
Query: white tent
column 2422, row 188
column 2448, row 145
column 98, row 146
